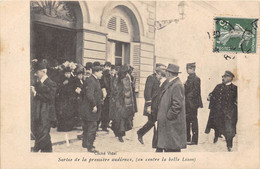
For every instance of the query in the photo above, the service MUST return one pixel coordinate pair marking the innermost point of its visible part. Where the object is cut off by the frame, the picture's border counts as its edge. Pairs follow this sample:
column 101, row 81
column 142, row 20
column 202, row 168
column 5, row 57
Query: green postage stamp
column 235, row 35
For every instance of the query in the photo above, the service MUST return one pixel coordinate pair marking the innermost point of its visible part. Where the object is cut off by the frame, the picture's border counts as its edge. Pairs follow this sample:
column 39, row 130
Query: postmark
column 237, row 35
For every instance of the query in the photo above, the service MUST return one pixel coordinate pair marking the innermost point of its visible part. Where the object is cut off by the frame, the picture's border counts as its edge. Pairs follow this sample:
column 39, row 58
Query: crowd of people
column 103, row 96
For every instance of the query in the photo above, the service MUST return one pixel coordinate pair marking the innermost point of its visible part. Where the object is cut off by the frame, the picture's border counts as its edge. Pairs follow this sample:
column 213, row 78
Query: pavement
column 106, row 141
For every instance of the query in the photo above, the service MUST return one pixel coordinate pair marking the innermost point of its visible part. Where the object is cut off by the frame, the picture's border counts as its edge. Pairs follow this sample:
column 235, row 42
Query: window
column 118, row 24
column 118, row 54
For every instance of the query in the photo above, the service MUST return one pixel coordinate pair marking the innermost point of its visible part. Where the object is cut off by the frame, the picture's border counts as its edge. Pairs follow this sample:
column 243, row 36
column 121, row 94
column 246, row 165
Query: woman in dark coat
column 65, row 102
column 122, row 104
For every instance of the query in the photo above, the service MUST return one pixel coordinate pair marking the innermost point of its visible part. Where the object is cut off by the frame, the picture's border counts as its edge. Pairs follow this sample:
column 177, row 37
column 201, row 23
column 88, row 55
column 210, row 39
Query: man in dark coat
column 171, row 114
column 105, row 83
column 92, row 101
column 152, row 88
column 43, row 95
column 192, row 103
column 223, row 110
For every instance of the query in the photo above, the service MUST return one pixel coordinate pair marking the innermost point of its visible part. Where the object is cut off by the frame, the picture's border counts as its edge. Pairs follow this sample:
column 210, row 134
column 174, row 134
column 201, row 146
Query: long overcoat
column 223, row 110
column 122, row 104
column 192, row 96
column 42, row 112
column 171, row 117
column 65, row 105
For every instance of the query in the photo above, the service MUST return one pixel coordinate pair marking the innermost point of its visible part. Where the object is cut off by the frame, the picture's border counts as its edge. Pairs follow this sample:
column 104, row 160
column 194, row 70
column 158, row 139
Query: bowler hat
column 191, row 65
column 89, row 65
column 79, row 70
column 96, row 64
column 229, row 74
column 97, row 68
column 107, row 64
column 40, row 66
column 173, row 68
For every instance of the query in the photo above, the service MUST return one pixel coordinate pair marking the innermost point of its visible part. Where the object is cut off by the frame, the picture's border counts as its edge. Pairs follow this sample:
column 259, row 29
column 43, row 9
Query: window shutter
column 123, row 26
column 112, row 23
column 135, row 62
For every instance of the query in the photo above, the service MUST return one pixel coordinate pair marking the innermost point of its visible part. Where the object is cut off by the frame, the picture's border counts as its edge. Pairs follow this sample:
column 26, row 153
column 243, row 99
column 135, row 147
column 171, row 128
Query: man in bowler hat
column 92, row 100
column 223, row 110
column 43, row 96
column 171, row 114
column 192, row 103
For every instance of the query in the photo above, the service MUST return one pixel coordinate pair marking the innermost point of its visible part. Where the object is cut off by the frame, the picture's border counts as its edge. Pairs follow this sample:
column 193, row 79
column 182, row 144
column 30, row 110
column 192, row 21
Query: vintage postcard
column 129, row 84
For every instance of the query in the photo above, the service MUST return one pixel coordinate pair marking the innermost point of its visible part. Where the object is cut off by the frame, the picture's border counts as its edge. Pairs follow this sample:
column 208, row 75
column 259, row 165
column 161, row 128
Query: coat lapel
column 169, row 85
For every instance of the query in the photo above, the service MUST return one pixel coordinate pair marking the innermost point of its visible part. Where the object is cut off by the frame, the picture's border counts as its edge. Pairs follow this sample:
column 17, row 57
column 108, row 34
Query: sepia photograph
column 105, row 84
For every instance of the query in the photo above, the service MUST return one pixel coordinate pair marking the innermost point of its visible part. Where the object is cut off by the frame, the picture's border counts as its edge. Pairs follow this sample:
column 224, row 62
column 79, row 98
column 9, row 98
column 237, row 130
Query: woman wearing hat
column 122, row 104
column 65, row 100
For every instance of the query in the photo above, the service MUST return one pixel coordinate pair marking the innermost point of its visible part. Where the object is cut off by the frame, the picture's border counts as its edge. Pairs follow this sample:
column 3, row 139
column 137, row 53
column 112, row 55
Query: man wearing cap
column 223, row 107
column 152, row 90
column 171, row 114
column 43, row 96
column 192, row 103
column 92, row 101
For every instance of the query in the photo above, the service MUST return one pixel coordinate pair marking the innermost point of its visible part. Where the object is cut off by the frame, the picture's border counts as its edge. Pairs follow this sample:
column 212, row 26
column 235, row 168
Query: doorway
column 53, row 43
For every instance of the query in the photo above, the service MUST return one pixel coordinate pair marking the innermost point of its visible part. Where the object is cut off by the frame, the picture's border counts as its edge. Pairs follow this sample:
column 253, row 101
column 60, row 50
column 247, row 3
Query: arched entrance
column 125, row 27
column 56, row 31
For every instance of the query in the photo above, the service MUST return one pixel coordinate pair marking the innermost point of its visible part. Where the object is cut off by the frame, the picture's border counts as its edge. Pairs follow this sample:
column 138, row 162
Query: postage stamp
column 235, row 35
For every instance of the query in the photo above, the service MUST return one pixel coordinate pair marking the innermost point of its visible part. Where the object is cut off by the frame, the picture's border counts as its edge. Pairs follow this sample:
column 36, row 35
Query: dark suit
column 105, row 83
column 92, row 96
column 223, row 112
column 78, row 97
column 152, row 118
column 192, row 102
column 152, row 84
column 42, row 113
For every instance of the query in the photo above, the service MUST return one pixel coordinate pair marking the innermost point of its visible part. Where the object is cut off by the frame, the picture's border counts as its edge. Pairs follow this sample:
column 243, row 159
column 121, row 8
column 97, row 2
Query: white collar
column 162, row 80
column 94, row 76
column 172, row 79
column 229, row 83
column 43, row 78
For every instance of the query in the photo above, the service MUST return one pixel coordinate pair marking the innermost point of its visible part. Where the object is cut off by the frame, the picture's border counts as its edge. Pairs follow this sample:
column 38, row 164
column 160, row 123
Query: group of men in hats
column 96, row 93
column 175, row 108
column 107, row 93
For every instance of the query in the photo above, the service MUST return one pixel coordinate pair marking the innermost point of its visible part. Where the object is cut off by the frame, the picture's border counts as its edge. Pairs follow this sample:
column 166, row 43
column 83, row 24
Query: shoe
column 215, row 140
column 140, row 139
column 92, row 150
column 192, row 143
column 229, row 149
column 121, row 139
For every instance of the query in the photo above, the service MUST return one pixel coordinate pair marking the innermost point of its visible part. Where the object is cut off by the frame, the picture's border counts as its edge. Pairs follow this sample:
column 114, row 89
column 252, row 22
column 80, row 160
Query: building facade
column 88, row 31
